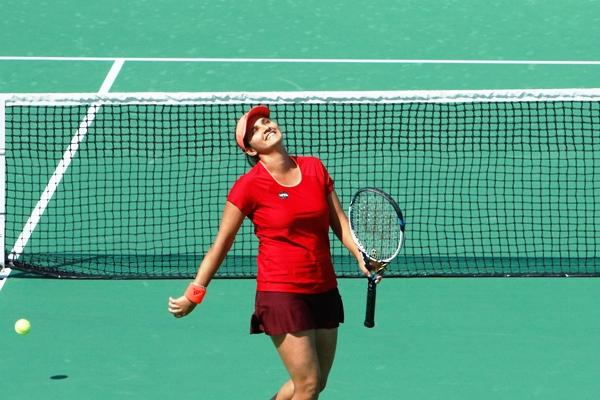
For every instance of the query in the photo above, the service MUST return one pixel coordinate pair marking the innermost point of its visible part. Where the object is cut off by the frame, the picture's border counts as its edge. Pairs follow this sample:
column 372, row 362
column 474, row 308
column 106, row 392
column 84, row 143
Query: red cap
column 247, row 121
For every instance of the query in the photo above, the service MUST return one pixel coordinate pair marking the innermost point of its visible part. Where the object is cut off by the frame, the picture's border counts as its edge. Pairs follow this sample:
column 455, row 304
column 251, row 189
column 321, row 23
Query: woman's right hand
column 181, row 306
column 373, row 267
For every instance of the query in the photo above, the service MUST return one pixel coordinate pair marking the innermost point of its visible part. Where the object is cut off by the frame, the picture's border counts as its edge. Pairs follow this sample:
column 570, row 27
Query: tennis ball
column 22, row 327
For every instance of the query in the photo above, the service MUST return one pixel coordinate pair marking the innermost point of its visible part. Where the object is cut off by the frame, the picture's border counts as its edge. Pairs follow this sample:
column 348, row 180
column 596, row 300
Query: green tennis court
column 436, row 338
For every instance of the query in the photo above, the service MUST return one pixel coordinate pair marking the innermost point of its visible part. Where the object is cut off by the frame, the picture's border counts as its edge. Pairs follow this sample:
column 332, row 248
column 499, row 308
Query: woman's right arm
column 230, row 224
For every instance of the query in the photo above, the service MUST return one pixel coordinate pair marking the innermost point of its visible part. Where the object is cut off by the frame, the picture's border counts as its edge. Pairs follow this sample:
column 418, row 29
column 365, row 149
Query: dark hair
column 252, row 160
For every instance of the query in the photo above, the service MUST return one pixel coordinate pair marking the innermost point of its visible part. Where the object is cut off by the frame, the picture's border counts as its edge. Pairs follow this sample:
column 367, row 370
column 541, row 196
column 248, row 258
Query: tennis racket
column 377, row 227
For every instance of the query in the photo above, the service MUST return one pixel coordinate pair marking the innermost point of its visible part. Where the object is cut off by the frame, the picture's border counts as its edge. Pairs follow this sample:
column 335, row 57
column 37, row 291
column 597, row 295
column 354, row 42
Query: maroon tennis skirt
column 277, row 313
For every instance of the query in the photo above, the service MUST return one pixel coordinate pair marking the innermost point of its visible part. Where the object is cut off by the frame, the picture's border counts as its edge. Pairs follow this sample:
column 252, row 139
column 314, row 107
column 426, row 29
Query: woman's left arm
column 341, row 227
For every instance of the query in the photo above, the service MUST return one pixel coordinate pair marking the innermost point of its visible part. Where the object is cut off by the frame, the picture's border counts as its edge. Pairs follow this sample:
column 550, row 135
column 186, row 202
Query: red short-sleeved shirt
column 292, row 226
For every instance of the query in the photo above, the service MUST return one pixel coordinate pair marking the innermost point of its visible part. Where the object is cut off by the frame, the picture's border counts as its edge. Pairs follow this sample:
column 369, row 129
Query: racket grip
column 371, row 296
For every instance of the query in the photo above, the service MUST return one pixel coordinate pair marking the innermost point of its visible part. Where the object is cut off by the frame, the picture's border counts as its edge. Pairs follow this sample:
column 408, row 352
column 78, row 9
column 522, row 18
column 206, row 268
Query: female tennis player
column 292, row 203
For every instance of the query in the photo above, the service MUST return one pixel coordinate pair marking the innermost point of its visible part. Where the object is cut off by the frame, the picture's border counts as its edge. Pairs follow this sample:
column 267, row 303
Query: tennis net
column 492, row 183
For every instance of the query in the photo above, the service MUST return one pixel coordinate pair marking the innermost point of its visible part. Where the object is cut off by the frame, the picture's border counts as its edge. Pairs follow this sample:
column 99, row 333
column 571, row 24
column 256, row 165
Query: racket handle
column 371, row 296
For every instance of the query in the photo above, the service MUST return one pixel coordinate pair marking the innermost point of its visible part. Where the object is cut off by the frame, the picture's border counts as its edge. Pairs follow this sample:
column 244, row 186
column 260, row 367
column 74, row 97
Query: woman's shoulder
column 255, row 171
column 248, row 176
column 311, row 165
column 309, row 160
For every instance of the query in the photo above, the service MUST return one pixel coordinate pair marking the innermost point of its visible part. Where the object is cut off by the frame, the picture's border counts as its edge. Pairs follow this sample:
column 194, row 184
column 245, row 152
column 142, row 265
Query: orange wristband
column 195, row 293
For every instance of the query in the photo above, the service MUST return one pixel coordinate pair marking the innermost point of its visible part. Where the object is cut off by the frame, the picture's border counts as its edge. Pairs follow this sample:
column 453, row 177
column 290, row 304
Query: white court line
column 63, row 165
column 304, row 60
column 4, row 273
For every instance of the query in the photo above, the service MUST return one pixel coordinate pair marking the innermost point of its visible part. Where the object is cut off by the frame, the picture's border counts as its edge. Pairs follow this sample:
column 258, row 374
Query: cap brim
column 247, row 121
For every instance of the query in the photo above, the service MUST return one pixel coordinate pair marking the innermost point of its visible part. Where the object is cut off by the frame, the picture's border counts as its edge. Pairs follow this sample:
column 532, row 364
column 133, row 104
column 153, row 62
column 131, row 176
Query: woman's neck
column 278, row 163
column 282, row 168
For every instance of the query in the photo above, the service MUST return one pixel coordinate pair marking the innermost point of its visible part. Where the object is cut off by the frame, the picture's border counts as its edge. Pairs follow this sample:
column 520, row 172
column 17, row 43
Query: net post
column 2, row 182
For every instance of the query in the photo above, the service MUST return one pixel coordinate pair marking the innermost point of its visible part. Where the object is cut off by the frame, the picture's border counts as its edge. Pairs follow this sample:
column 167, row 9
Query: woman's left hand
column 181, row 306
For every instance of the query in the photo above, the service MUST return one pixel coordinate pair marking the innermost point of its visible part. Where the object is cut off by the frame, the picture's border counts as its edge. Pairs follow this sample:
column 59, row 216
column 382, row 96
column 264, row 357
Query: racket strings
column 375, row 224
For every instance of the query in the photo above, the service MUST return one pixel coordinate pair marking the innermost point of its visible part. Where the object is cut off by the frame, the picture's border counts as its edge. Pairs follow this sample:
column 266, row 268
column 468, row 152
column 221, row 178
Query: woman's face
column 264, row 135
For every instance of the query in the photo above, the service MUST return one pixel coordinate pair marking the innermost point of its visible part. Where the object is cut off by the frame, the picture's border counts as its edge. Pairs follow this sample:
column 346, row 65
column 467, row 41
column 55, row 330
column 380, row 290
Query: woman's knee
column 309, row 386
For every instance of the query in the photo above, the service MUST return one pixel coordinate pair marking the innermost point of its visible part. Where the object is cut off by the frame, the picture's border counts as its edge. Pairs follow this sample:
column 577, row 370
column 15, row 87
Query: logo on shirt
column 283, row 195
